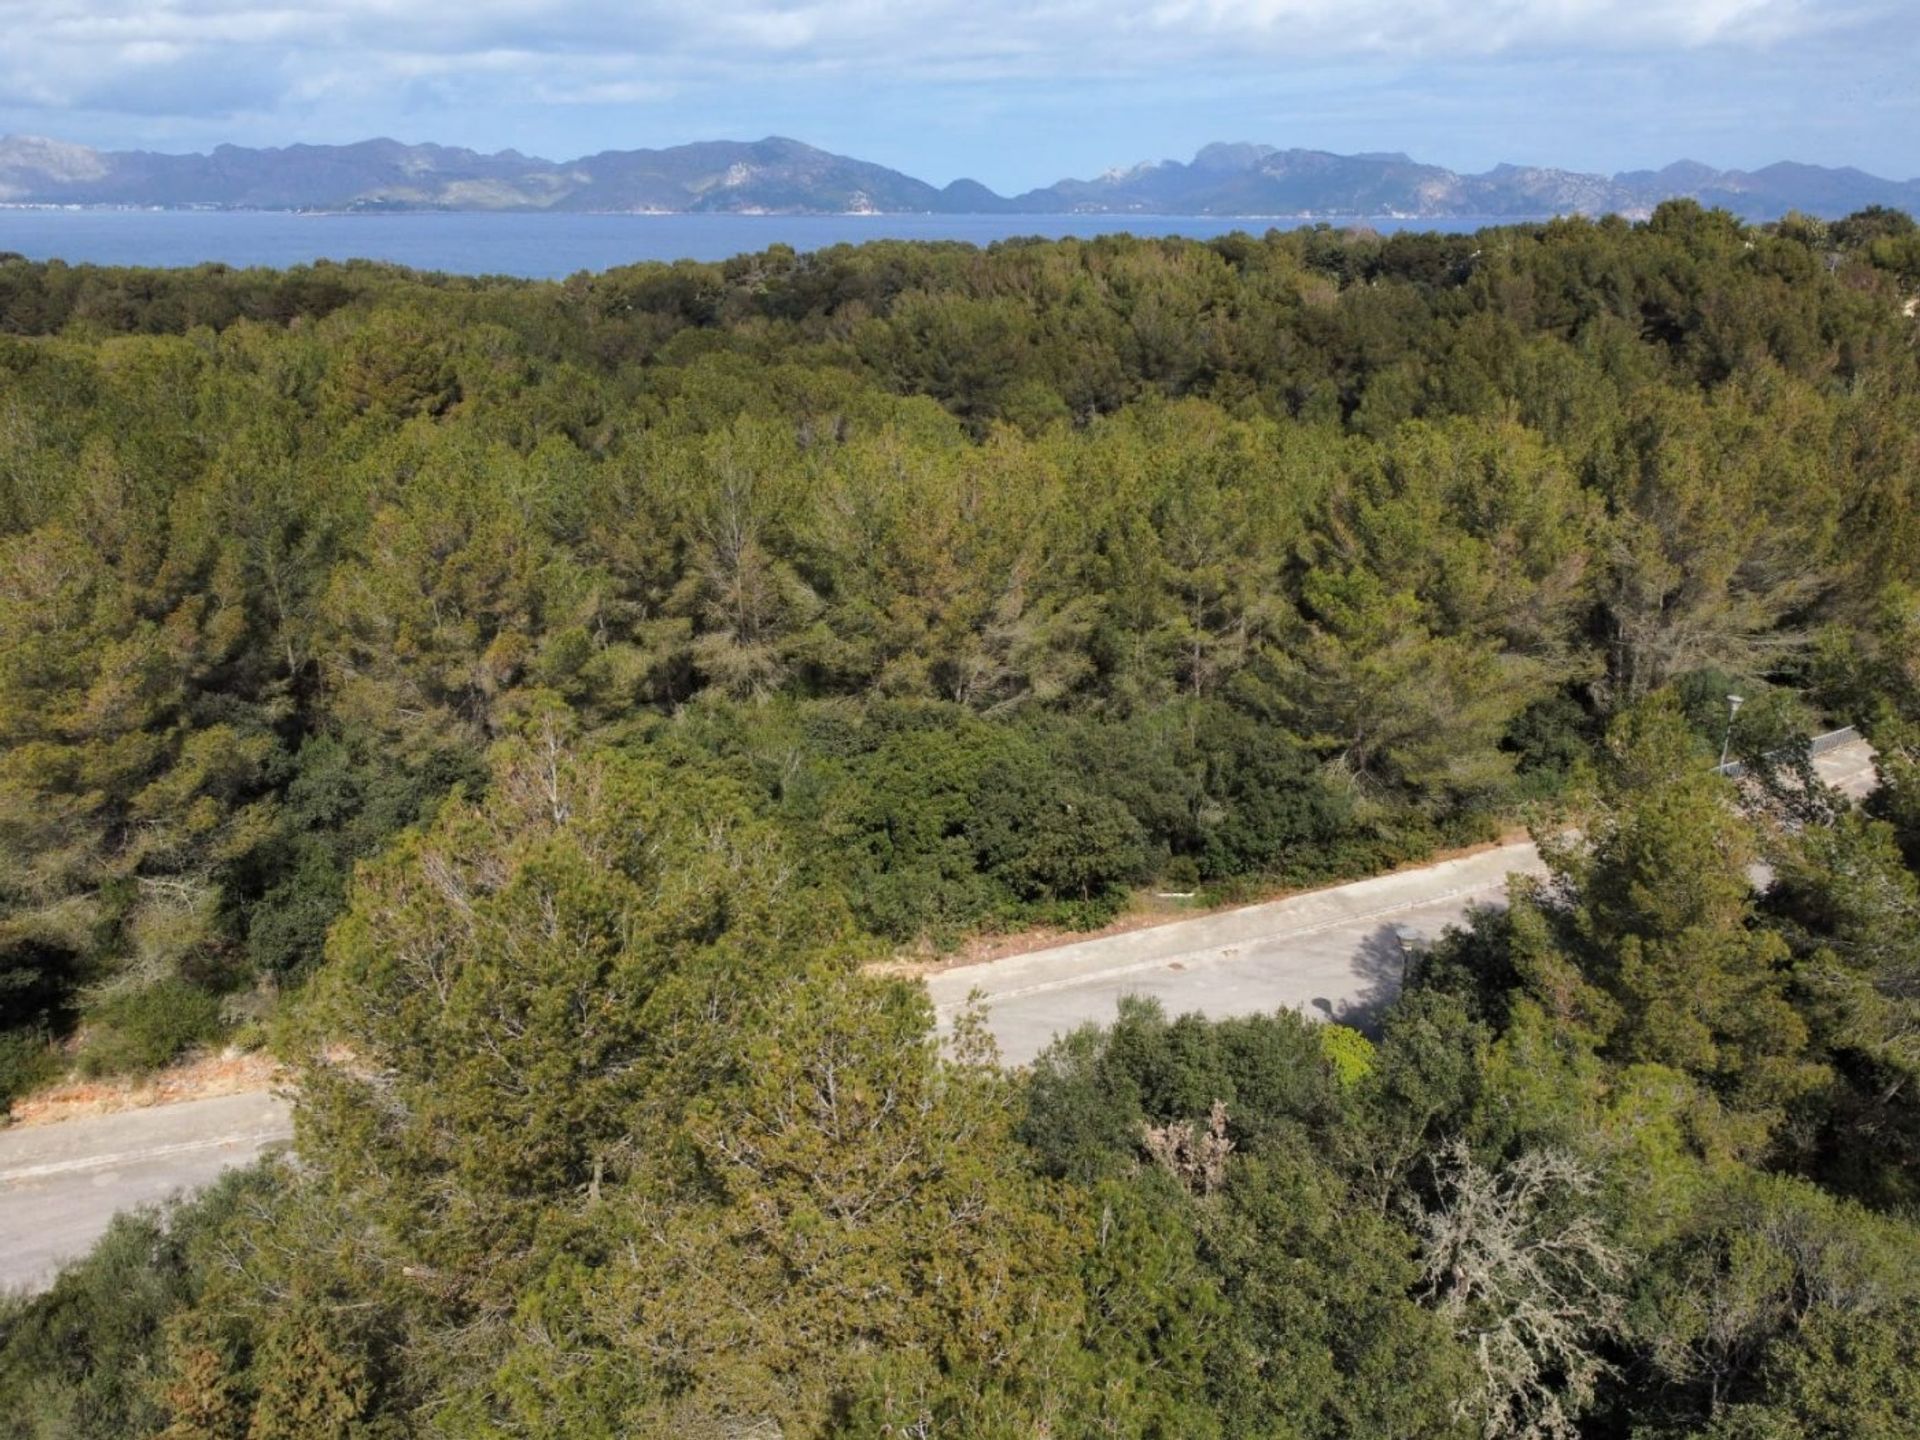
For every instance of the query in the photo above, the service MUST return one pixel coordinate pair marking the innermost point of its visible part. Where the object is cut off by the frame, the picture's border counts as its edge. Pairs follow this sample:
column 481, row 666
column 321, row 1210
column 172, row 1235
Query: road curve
column 1335, row 953
column 61, row 1183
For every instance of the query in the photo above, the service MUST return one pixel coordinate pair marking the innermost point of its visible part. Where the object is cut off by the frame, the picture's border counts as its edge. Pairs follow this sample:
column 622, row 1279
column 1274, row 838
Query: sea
column 549, row 246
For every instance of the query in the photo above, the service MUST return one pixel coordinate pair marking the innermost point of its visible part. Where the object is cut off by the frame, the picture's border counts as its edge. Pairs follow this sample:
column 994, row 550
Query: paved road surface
column 1334, row 953
column 1849, row 768
column 60, row 1184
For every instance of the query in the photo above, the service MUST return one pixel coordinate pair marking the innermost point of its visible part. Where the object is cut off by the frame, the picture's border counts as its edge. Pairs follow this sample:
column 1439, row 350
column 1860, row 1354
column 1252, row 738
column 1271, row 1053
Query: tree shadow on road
column 1380, row 964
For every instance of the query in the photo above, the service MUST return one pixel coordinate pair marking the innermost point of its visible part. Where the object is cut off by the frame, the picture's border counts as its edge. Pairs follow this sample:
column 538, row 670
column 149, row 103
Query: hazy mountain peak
column 54, row 158
column 1681, row 175
column 1236, row 155
column 778, row 174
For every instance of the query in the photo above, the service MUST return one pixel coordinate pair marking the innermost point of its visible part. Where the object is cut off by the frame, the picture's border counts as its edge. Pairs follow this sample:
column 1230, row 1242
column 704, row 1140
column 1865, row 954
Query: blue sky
column 1016, row 95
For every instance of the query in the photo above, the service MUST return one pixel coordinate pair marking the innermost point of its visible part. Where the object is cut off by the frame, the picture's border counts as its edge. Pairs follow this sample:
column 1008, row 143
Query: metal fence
column 1819, row 745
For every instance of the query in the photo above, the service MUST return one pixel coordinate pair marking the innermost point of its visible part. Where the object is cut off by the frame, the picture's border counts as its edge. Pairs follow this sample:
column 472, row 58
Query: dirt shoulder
column 228, row 1073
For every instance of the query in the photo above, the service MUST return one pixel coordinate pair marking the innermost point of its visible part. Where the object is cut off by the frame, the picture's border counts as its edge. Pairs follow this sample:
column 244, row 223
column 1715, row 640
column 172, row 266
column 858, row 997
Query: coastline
column 1301, row 217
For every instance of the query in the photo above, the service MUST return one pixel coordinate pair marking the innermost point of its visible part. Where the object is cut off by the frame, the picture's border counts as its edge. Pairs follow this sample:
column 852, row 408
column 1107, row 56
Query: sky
column 1015, row 95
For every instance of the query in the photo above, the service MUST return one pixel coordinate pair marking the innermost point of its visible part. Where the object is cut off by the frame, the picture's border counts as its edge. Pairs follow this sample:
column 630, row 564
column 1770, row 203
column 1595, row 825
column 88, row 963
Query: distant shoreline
column 1155, row 216
column 537, row 245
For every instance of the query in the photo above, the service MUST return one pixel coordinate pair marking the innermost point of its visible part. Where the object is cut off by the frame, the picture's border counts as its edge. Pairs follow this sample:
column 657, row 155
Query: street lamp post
column 1734, row 702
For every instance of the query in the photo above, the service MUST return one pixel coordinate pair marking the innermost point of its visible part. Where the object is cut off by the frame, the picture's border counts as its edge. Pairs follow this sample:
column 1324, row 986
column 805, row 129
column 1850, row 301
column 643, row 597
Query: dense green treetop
column 533, row 702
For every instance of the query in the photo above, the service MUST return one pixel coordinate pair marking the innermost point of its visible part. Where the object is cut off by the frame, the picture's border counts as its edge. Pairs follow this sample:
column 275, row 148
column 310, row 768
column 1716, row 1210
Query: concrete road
column 1849, row 769
column 61, row 1183
column 1334, row 953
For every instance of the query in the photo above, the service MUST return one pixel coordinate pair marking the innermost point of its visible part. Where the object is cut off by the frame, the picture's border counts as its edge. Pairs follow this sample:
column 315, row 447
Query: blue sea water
column 543, row 246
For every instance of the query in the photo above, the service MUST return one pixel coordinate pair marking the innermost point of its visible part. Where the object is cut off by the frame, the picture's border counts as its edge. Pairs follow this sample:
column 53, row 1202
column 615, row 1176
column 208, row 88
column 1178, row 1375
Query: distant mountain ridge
column 780, row 176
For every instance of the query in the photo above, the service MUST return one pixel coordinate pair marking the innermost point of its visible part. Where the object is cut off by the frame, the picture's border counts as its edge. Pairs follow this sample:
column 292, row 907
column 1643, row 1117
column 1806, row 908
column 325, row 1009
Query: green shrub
column 144, row 1029
column 1181, row 873
column 1551, row 736
column 79, row 1361
column 26, row 1060
column 1046, row 841
column 1349, row 1053
column 1266, row 802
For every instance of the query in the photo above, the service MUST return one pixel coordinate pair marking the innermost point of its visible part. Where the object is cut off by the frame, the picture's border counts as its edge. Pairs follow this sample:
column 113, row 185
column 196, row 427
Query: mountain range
column 778, row 176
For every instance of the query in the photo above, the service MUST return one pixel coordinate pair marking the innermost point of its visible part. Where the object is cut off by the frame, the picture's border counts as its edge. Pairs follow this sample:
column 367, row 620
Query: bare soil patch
column 227, row 1073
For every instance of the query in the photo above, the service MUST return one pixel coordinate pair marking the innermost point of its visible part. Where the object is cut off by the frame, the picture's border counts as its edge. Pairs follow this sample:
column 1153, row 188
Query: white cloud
column 142, row 56
column 1441, row 27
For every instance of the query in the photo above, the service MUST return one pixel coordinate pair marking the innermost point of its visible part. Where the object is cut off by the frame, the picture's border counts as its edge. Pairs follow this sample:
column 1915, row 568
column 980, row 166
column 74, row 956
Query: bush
column 1091, row 1092
column 1349, row 1053
column 1267, row 806
column 288, row 926
column 144, row 1029
column 957, row 822
column 35, row 992
column 78, row 1361
column 1044, row 840
column 26, row 1060
column 1181, row 873
column 1551, row 737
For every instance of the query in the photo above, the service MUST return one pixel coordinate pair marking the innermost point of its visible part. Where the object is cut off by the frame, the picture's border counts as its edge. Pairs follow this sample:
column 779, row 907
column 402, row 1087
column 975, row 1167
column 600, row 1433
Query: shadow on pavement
column 1380, row 963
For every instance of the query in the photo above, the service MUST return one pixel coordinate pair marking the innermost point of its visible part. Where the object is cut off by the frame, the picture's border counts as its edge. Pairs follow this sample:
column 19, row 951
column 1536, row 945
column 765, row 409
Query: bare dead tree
column 1196, row 1158
column 1520, row 1263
